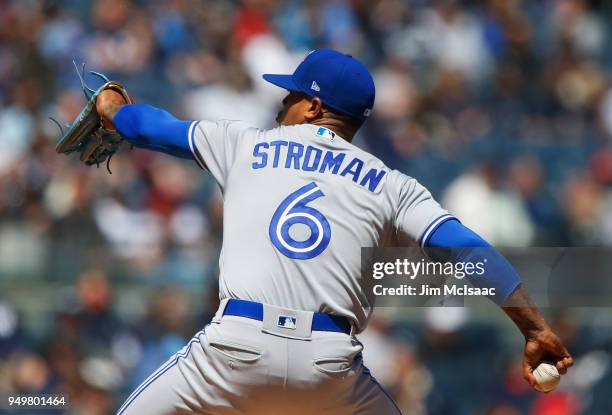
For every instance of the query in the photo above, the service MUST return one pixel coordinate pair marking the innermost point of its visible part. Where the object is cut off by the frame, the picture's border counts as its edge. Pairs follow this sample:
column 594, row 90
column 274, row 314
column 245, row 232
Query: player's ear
column 315, row 109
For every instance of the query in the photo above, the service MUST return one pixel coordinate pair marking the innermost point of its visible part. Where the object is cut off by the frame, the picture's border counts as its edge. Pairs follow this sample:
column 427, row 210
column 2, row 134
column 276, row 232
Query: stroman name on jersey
column 293, row 155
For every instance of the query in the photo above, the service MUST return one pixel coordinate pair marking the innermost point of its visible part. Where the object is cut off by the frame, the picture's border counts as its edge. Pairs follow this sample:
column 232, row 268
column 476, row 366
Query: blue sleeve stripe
column 196, row 154
column 433, row 226
column 453, row 242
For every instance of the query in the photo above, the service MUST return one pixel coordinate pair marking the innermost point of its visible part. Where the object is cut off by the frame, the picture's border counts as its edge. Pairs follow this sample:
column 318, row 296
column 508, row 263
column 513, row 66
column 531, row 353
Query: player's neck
column 344, row 131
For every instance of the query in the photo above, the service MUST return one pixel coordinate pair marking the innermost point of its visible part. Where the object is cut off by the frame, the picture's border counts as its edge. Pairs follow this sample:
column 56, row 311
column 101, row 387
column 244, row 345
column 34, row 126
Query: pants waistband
column 255, row 311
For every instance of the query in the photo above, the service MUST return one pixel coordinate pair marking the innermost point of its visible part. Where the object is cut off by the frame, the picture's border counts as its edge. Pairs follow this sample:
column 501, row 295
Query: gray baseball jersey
column 299, row 203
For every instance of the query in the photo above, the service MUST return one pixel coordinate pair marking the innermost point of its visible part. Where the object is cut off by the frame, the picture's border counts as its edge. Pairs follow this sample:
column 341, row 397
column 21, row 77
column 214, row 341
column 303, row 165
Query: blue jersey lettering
column 353, row 168
column 257, row 152
column 277, row 146
column 372, row 178
column 312, row 159
column 294, row 152
column 333, row 161
column 308, row 166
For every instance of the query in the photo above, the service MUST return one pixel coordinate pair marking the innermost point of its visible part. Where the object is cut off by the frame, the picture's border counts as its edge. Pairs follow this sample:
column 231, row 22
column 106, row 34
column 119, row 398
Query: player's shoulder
column 393, row 180
column 225, row 124
column 327, row 139
column 281, row 131
column 237, row 125
column 365, row 155
column 288, row 131
column 393, row 176
column 226, row 130
column 400, row 179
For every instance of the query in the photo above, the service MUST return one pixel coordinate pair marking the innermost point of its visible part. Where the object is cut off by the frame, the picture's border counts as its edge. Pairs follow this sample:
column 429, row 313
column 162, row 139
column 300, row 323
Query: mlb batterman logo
column 324, row 132
column 287, row 322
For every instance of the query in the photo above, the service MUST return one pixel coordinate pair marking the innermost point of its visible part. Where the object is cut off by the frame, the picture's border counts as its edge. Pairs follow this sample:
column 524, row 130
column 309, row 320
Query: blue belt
column 320, row 321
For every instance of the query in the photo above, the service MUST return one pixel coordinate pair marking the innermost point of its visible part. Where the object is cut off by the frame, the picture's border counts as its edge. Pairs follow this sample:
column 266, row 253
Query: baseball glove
column 86, row 135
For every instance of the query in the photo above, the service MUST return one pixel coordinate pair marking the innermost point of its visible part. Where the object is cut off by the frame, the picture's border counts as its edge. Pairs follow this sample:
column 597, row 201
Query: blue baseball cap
column 339, row 80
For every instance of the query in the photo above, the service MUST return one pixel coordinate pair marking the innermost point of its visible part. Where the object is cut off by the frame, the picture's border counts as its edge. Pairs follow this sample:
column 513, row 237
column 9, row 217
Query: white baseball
column 547, row 377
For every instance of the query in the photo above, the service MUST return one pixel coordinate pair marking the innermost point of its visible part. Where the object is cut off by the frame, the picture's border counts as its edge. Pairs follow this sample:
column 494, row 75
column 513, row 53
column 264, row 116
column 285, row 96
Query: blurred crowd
column 502, row 108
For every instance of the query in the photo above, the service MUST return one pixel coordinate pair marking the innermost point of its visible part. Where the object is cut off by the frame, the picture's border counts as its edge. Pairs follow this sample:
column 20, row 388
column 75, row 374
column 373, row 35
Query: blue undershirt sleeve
column 154, row 129
column 460, row 244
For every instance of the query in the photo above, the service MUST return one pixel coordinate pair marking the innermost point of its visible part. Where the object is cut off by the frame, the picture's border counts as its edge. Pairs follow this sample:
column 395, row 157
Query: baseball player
column 299, row 202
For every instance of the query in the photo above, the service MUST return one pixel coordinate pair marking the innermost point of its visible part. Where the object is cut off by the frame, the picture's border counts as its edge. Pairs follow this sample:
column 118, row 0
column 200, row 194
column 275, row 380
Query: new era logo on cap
column 315, row 86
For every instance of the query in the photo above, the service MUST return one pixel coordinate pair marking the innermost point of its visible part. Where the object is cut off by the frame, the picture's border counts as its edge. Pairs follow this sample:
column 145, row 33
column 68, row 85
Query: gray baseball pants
column 238, row 365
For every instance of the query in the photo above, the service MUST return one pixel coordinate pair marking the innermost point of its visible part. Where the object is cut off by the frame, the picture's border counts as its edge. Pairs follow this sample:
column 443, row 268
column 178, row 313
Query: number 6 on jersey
column 294, row 210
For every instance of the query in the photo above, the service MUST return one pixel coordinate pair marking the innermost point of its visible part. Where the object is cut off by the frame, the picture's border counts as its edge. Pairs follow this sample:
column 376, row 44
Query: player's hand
column 540, row 346
column 107, row 105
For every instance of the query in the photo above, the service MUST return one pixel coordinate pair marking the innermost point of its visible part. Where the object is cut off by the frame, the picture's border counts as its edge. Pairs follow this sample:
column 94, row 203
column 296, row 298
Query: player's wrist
column 537, row 333
column 524, row 313
column 532, row 325
column 108, row 103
